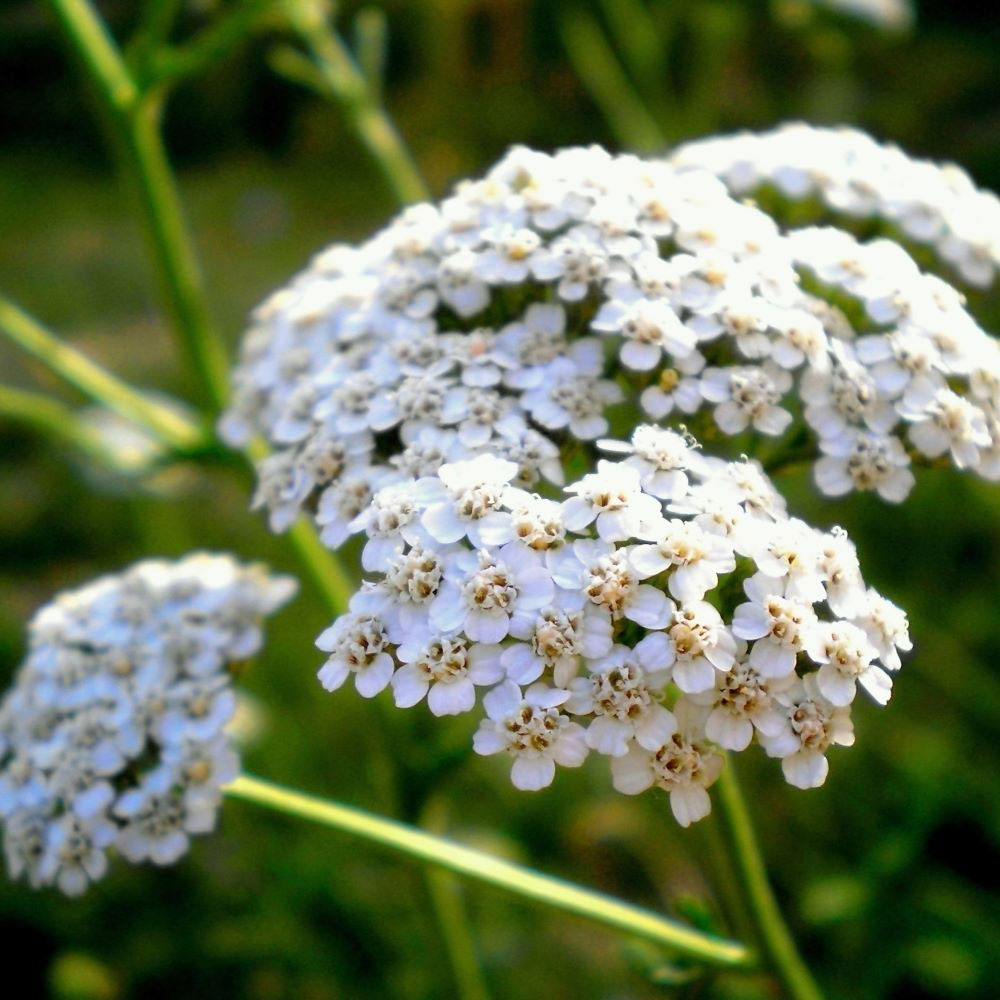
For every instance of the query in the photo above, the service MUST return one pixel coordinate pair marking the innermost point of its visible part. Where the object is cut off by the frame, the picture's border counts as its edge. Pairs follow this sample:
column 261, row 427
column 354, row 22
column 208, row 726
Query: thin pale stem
column 343, row 82
column 446, row 897
column 54, row 419
column 504, row 874
column 212, row 44
column 135, row 119
column 599, row 70
column 775, row 939
column 95, row 382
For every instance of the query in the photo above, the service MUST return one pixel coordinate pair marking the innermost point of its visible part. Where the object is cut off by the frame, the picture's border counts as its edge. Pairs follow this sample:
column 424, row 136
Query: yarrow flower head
column 464, row 390
column 113, row 736
column 632, row 643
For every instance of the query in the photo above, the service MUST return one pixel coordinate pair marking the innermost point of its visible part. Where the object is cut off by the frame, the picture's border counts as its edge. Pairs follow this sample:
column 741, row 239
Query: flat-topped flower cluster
column 530, row 306
column 436, row 387
column 935, row 204
column 113, row 733
column 668, row 607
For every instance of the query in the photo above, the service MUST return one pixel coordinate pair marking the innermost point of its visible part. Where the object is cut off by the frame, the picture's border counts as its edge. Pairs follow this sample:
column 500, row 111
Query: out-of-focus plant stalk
column 446, row 897
column 600, row 72
column 54, row 419
column 776, row 941
column 338, row 78
column 504, row 874
column 166, row 65
column 97, row 383
column 135, row 120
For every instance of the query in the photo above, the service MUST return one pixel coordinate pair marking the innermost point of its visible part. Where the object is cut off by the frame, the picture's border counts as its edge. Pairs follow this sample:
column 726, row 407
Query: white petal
column 649, row 608
column 452, row 698
column 532, row 773
column 632, row 773
column 409, row 685
column 375, row 677
column 805, row 769
column 689, row 803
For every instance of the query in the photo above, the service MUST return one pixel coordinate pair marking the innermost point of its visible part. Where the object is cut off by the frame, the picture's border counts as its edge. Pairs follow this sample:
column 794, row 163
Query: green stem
column 95, row 382
column 135, row 120
column 170, row 65
column 53, row 418
column 327, row 571
column 775, row 939
column 446, row 898
column 179, row 274
column 600, row 72
column 497, row 872
column 342, row 82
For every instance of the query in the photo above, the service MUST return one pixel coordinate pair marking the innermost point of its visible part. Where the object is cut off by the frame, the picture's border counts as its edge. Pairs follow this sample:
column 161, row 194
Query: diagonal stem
column 775, row 939
column 494, row 871
column 338, row 78
column 95, row 382
column 135, row 121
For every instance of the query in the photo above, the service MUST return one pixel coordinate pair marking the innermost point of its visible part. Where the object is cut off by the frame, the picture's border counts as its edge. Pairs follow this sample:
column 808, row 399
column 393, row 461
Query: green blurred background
column 888, row 874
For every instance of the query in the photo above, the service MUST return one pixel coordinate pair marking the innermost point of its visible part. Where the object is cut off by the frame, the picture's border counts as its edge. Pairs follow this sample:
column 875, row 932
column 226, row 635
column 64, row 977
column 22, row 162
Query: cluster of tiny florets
column 665, row 609
column 112, row 736
column 527, row 309
column 851, row 173
column 436, row 388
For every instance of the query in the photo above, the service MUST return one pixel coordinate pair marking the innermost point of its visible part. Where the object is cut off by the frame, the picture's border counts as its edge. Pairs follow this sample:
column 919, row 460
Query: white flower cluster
column 509, row 318
column 931, row 203
column 113, row 734
column 668, row 607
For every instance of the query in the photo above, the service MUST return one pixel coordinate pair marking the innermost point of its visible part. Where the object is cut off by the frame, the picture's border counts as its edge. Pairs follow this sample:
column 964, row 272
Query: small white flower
column 748, row 395
column 607, row 578
column 846, row 658
column 886, row 627
column 568, row 399
column 812, row 726
column 74, row 852
column 694, row 557
column 649, row 328
column 555, row 639
column 483, row 590
column 684, row 767
column 790, row 550
column 446, row 670
column 356, row 643
column 623, row 698
column 677, row 388
column 741, row 703
column 864, row 461
column 662, row 458
column 949, row 422
column 613, row 496
column 466, row 500
column 532, row 730
column 782, row 626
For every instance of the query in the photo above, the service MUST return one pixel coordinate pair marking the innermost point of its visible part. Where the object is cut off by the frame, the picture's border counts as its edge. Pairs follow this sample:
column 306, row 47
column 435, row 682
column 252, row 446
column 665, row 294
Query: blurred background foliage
column 888, row 874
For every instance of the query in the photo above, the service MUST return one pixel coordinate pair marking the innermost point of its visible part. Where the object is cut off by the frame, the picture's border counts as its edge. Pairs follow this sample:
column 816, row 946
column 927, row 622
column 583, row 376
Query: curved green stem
column 134, row 117
column 95, row 382
column 53, row 418
column 446, row 898
column 337, row 77
column 775, row 939
column 504, row 874
column 600, row 72
column 169, row 65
